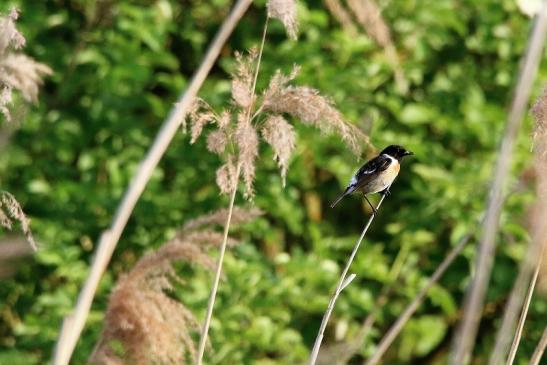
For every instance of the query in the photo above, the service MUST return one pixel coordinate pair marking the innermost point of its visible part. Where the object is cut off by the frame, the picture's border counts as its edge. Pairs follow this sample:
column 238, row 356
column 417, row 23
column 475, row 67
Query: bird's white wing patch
column 393, row 160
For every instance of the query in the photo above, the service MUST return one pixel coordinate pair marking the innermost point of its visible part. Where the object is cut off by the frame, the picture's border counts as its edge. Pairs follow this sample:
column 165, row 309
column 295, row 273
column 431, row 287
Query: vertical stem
column 261, row 50
column 214, row 289
column 218, row 272
column 464, row 340
column 73, row 324
column 339, row 288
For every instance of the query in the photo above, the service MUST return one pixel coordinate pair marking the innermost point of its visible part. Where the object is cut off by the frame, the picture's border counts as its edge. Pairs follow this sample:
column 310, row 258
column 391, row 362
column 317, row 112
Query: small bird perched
column 376, row 175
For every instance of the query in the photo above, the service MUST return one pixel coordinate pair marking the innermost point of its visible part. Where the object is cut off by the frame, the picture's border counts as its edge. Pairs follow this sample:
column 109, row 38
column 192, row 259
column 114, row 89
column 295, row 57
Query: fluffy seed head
column 150, row 326
column 9, row 35
column 239, row 215
column 227, row 176
column 279, row 134
column 10, row 209
column 246, row 139
column 307, row 105
column 17, row 71
column 216, row 141
column 242, row 79
column 368, row 14
column 285, row 11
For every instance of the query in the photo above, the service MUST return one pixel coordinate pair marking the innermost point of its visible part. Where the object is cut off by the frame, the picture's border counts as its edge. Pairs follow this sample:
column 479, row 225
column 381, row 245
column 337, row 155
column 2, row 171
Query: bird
column 377, row 174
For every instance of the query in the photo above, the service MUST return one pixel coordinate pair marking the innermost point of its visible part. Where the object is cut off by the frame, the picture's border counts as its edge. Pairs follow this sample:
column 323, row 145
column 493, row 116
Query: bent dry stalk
column 342, row 284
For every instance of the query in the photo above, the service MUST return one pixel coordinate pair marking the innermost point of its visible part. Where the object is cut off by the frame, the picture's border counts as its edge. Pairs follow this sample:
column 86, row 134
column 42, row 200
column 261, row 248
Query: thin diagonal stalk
column 218, row 272
column 352, row 347
column 74, row 323
column 214, row 289
column 540, row 349
column 526, row 306
column 464, row 340
column 342, row 283
column 396, row 328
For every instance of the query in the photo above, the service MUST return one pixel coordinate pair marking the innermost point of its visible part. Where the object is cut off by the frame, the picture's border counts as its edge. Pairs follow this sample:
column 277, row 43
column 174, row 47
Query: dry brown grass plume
column 17, row 71
column 366, row 14
column 10, row 211
column 144, row 324
column 236, row 139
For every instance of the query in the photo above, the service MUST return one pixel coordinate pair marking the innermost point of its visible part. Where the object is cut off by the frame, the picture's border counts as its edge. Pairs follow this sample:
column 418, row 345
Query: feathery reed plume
column 310, row 107
column 464, row 340
column 240, row 130
column 11, row 210
column 279, row 134
column 239, row 216
column 142, row 318
column 341, row 14
column 369, row 16
column 17, row 71
column 523, row 288
column 285, row 11
column 74, row 323
column 343, row 282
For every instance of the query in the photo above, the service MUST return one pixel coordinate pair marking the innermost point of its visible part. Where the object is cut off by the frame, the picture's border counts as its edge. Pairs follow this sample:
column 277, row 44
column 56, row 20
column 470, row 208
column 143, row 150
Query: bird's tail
column 339, row 198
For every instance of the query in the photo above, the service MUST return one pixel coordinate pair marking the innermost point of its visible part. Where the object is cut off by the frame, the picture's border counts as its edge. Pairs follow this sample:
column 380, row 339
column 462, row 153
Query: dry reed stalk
column 74, row 323
column 540, row 349
column 343, row 282
column 466, row 334
column 218, row 272
column 533, row 259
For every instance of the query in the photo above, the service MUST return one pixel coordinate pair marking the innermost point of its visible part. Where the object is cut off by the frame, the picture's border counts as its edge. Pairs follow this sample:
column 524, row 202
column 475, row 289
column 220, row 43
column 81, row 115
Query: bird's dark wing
column 369, row 171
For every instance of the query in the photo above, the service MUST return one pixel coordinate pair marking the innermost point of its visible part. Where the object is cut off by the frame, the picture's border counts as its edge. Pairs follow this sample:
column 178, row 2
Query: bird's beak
column 409, row 153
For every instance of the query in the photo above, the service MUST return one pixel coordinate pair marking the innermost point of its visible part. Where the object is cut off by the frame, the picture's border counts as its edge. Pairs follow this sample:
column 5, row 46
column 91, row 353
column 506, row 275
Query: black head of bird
column 396, row 151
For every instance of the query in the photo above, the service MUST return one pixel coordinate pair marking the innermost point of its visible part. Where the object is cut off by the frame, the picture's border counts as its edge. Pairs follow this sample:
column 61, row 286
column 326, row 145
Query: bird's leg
column 374, row 210
column 386, row 191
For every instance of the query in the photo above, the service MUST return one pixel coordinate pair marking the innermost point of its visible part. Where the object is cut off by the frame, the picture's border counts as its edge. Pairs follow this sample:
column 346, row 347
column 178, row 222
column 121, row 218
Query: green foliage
column 118, row 68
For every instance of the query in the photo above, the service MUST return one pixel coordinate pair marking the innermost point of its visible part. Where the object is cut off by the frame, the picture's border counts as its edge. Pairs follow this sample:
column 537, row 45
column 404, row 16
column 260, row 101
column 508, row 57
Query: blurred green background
column 119, row 67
